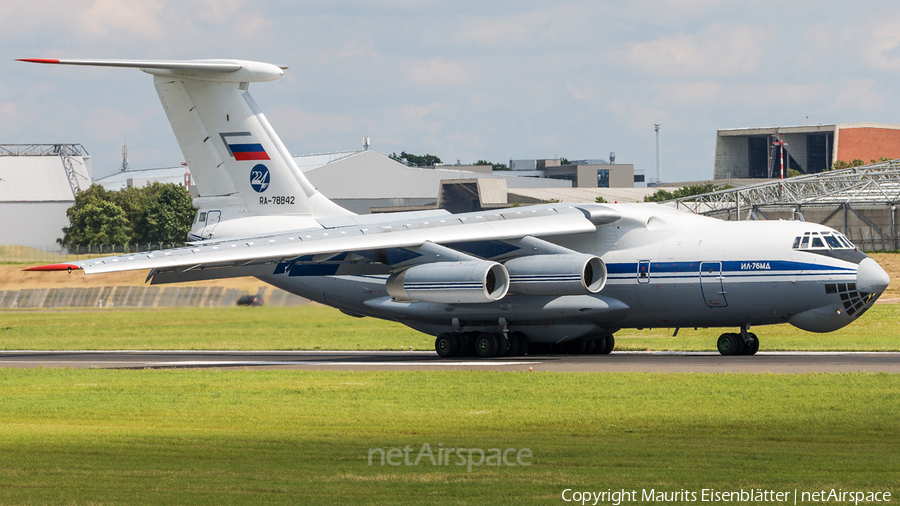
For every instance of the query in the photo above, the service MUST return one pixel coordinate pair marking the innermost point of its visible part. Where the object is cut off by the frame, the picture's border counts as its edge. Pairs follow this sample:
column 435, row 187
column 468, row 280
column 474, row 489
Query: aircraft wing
column 538, row 221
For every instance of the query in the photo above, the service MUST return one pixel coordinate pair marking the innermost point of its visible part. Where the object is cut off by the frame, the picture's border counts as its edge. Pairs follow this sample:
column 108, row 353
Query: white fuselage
column 665, row 268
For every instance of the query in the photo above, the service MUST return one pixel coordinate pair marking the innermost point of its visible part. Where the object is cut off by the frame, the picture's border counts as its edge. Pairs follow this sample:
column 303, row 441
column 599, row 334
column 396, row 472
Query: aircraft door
column 212, row 219
column 711, row 284
column 643, row 271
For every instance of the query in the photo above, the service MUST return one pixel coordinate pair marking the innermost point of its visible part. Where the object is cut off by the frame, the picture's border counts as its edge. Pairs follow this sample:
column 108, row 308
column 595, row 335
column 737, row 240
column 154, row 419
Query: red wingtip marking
column 54, row 267
column 37, row 60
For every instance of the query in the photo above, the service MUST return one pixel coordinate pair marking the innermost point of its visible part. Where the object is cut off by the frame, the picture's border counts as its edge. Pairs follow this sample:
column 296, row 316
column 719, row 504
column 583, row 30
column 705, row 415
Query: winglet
column 54, row 267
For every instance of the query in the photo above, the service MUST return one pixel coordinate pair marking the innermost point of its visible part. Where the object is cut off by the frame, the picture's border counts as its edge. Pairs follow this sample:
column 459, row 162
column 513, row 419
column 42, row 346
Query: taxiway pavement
column 623, row 361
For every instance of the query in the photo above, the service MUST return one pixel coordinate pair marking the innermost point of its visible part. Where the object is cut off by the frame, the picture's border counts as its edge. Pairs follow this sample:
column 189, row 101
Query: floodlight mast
column 658, row 156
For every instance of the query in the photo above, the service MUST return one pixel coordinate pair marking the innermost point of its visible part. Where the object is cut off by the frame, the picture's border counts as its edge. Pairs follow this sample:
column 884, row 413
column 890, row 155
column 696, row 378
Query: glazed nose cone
column 870, row 277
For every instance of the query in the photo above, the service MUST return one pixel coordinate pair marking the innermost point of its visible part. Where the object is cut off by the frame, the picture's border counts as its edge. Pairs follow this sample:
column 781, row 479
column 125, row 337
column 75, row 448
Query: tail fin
column 226, row 140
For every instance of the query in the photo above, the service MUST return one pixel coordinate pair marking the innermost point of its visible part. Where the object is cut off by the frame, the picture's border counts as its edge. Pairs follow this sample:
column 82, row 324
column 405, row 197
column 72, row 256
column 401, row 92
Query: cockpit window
column 832, row 241
column 822, row 240
column 201, row 217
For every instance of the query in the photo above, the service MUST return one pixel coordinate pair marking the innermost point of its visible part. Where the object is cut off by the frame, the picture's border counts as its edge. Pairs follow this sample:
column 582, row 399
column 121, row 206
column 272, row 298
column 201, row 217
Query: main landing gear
column 513, row 344
column 481, row 344
column 745, row 343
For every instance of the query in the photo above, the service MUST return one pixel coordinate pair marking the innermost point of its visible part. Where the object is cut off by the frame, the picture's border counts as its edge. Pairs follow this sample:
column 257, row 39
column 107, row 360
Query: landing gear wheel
column 573, row 347
column 467, row 344
column 753, row 346
column 517, row 344
column 608, row 343
column 730, row 344
column 589, row 347
column 503, row 345
column 446, row 345
column 486, row 345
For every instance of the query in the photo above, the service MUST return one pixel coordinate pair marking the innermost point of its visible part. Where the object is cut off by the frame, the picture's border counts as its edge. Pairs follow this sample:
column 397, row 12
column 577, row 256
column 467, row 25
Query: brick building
column 744, row 152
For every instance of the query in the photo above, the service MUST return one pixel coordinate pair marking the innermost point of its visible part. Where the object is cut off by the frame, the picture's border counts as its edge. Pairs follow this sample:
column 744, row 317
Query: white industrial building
column 361, row 180
column 38, row 183
column 138, row 178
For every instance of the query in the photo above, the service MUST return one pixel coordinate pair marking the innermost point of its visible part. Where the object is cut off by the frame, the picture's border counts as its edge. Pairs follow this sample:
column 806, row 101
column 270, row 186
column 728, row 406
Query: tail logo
column 241, row 146
column 259, row 178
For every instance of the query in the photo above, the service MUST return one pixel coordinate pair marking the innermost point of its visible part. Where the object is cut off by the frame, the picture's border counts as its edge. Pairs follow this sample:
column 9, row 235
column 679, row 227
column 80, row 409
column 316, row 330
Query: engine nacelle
column 450, row 282
column 556, row 275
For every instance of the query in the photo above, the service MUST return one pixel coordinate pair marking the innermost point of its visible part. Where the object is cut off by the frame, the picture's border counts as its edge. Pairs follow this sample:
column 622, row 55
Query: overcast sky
column 461, row 80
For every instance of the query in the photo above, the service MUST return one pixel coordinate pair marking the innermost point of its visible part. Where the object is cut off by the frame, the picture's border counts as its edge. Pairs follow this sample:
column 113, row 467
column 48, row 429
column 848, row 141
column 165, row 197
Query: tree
column 412, row 160
column 168, row 217
column 156, row 213
column 600, row 200
column 662, row 195
column 857, row 162
column 96, row 222
column 840, row 164
column 793, row 173
column 494, row 166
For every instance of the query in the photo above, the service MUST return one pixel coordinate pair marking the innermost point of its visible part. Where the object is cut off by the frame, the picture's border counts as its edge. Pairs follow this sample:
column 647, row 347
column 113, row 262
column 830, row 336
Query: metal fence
column 135, row 297
column 59, row 254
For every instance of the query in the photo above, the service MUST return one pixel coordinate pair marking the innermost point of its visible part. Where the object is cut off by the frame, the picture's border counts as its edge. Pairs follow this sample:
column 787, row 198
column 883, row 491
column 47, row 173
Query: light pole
column 658, row 156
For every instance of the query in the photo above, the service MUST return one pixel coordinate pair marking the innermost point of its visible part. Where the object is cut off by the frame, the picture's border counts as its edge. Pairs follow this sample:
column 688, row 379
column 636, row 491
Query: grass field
column 303, row 437
column 237, row 437
column 314, row 327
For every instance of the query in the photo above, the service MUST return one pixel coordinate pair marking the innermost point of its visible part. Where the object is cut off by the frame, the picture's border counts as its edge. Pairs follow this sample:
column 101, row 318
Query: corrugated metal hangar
column 37, row 184
column 749, row 153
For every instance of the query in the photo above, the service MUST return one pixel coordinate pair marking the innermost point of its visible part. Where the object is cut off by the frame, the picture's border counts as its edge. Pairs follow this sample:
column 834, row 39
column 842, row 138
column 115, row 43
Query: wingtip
column 37, row 60
column 53, row 267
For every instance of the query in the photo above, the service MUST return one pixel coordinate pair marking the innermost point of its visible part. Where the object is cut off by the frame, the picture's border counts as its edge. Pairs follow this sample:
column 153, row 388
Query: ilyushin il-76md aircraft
column 488, row 283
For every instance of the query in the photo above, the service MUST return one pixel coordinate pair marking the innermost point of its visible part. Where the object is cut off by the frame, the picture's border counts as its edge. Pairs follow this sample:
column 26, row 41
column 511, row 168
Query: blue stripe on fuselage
column 731, row 269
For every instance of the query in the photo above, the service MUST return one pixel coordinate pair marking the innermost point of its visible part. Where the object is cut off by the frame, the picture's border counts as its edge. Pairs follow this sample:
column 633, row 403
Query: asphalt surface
column 673, row 362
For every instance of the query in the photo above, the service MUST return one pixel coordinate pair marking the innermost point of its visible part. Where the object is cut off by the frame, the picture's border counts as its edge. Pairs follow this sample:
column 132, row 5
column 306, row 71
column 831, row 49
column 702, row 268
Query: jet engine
column 450, row 282
column 574, row 274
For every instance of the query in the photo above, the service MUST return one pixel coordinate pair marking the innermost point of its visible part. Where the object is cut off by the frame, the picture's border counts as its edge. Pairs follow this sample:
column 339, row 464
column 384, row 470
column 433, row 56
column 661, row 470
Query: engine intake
column 450, row 282
column 556, row 275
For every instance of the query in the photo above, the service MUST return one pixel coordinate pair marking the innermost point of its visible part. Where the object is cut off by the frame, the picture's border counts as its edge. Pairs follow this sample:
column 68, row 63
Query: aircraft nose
column 870, row 277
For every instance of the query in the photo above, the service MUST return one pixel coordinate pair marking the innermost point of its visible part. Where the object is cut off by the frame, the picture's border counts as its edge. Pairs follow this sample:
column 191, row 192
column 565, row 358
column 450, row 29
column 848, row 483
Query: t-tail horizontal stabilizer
column 229, row 145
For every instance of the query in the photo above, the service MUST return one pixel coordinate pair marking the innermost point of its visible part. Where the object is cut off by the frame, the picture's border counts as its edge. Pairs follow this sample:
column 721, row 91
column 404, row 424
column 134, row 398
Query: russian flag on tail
column 241, row 146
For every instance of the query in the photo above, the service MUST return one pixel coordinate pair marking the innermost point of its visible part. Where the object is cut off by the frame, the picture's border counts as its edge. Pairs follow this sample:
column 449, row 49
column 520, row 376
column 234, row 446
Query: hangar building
column 138, row 178
column 37, row 184
column 744, row 152
column 365, row 179
column 592, row 173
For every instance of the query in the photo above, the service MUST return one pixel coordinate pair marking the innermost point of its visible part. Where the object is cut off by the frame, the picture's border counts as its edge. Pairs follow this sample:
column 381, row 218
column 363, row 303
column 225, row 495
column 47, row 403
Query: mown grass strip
column 315, row 327
column 237, row 437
